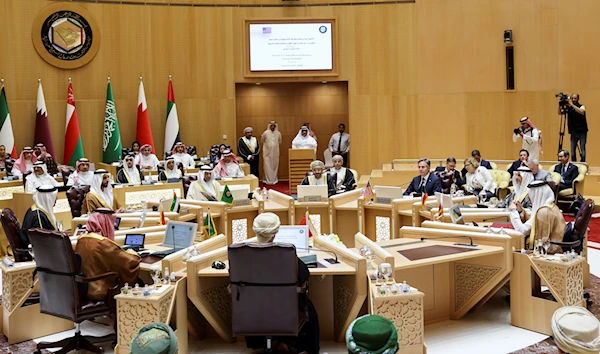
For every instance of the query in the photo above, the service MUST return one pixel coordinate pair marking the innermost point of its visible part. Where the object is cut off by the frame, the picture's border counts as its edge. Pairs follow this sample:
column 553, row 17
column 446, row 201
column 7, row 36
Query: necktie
column 564, row 171
column 339, row 149
column 422, row 187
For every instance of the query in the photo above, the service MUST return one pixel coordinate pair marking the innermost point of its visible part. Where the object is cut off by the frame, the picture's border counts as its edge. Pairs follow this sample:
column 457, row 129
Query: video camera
column 563, row 101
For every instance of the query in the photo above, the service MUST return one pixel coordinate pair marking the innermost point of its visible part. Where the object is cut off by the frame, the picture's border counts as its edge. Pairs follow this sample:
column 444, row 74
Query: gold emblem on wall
column 66, row 35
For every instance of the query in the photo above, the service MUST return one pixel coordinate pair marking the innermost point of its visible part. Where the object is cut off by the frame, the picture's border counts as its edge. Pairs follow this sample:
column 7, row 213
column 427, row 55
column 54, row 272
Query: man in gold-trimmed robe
column 100, row 254
column 100, row 194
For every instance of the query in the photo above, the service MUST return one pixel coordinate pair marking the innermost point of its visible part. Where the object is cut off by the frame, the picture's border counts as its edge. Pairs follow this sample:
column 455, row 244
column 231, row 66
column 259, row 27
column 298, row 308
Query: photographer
column 576, row 122
column 532, row 137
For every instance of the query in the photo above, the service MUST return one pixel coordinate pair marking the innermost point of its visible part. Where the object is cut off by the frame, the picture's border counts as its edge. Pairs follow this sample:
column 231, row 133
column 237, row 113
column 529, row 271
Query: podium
column 299, row 164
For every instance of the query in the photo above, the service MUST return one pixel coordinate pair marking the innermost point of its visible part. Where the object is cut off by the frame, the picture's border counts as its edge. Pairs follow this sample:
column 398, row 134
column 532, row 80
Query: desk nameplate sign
column 313, row 198
column 241, row 202
column 381, row 200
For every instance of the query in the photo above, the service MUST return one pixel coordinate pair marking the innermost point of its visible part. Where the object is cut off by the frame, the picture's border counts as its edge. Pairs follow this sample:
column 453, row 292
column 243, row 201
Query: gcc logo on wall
column 66, row 35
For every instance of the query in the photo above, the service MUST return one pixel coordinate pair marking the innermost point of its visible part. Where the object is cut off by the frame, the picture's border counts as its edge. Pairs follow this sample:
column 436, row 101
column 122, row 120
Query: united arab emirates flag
column 7, row 138
column 112, row 149
column 172, row 136
column 73, row 144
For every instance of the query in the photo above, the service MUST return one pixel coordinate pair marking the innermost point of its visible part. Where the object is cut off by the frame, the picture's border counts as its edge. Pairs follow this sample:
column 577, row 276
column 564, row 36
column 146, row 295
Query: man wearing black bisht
column 249, row 149
column 577, row 125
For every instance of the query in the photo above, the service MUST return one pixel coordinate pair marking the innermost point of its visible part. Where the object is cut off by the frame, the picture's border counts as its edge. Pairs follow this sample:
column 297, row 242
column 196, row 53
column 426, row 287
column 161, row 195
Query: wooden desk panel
column 128, row 195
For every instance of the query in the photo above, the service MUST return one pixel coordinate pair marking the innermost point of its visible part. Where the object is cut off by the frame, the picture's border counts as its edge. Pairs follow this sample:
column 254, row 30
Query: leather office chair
column 11, row 227
column 66, row 172
column 571, row 193
column 502, row 179
column 187, row 181
column 62, row 291
column 9, row 163
column 580, row 225
column 25, row 175
column 75, row 196
column 51, row 165
column 125, row 151
column 447, row 179
column 264, row 284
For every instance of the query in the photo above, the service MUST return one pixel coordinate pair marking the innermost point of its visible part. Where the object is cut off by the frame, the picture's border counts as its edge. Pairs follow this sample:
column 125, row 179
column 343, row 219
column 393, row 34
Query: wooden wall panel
column 417, row 73
column 324, row 106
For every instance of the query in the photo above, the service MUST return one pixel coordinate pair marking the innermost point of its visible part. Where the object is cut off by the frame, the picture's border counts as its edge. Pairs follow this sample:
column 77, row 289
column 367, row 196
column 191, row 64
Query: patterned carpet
column 548, row 346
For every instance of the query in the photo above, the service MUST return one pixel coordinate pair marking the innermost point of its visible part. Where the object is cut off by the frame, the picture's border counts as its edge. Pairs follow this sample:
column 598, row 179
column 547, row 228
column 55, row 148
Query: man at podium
column 318, row 178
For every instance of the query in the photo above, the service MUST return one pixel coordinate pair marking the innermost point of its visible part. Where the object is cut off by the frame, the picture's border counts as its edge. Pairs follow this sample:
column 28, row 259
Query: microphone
column 494, row 218
column 404, row 184
column 457, row 244
column 330, row 260
column 173, row 230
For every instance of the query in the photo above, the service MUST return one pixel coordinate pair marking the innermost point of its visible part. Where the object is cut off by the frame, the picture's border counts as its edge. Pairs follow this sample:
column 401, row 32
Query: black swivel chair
column 62, row 290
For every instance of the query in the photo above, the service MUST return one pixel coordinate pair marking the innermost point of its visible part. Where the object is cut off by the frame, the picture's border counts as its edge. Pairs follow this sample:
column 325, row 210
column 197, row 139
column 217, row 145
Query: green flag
column 112, row 149
column 209, row 225
column 227, row 197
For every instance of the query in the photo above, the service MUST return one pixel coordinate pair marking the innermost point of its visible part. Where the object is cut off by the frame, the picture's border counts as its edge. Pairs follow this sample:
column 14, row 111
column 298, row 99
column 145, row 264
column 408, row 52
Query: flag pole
column 209, row 221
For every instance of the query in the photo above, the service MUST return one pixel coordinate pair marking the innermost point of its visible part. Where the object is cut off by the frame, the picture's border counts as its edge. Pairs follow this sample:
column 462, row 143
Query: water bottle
column 166, row 279
column 453, row 189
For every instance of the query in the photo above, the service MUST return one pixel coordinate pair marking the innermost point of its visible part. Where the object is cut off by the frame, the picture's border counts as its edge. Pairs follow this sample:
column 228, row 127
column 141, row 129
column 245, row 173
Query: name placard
column 241, row 202
column 313, row 198
column 383, row 200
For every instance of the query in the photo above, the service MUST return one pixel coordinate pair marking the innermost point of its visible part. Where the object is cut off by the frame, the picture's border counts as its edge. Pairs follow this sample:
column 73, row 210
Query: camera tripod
column 561, row 136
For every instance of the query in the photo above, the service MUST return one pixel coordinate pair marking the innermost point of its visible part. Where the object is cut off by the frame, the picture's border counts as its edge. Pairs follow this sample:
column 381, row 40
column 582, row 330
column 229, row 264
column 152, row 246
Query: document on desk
column 297, row 235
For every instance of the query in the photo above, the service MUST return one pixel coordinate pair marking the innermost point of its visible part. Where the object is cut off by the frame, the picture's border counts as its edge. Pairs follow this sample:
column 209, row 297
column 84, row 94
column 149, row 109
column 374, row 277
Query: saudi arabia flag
column 7, row 137
column 172, row 127
column 112, row 148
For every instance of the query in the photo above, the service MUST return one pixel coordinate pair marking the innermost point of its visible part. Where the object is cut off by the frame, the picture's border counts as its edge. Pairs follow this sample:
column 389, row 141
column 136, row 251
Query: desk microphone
column 495, row 218
column 330, row 260
column 457, row 244
column 173, row 230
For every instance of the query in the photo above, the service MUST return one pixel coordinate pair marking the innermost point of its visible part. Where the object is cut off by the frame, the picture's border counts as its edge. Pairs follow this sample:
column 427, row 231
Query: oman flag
column 7, row 138
column 172, row 127
column 73, row 144
column 144, row 130
column 42, row 126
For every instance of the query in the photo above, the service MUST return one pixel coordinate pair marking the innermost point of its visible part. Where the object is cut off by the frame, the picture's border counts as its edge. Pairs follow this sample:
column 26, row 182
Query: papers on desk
column 23, row 264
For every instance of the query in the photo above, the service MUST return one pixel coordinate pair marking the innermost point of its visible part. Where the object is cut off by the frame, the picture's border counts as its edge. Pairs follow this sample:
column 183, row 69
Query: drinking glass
column 386, row 271
column 30, row 250
column 155, row 274
column 59, row 225
column 546, row 245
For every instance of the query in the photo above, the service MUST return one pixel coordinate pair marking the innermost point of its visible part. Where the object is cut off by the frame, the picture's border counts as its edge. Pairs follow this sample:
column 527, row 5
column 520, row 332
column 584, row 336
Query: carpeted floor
column 281, row 186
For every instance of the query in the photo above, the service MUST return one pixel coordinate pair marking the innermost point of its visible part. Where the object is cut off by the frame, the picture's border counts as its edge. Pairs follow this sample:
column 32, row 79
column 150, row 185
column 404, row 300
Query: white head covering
column 317, row 164
column 96, row 187
column 306, row 142
column 266, row 226
column 526, row 178
column 209, row 186
column 174, row 172
column 540, row 195
column 248, row 130
column 272, row 123
column 576, row 330
column 45, row 198
column 132, row 171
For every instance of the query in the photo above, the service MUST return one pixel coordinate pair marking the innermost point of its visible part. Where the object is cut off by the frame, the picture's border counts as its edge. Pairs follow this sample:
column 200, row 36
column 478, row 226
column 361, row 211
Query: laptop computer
column 178, row 235
column 385, row 194
column 312, row 193
column 134, row 242
column 240, row 195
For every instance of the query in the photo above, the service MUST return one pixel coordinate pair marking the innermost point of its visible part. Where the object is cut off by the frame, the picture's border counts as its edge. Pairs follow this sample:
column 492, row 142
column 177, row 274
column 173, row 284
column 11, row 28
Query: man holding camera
column 577, row 125
column 532, row 138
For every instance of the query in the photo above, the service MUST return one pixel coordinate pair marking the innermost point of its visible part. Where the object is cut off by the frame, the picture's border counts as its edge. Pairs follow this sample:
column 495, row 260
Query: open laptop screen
column 297, row 235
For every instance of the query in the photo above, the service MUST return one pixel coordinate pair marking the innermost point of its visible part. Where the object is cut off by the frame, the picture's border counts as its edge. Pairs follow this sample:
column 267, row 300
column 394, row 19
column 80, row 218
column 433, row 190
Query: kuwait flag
column 172, row 128
column 112, row 150
column 42, row 126
column 7, row 138
column 144, row 130
column 73, row 144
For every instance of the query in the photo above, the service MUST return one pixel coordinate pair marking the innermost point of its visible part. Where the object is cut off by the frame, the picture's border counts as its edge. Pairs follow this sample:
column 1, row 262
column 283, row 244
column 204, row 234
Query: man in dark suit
column 451, row 167
column 522, row 161
column 425, row 182
column 568, row 171
column 477, row 156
